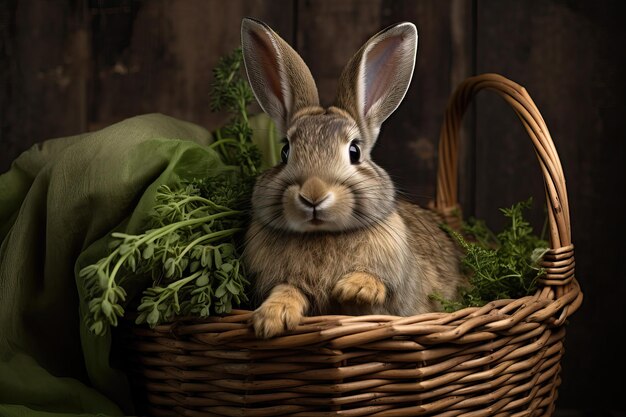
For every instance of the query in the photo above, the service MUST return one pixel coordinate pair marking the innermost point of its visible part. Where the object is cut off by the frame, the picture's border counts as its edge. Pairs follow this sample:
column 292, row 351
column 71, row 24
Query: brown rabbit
column 328, row 233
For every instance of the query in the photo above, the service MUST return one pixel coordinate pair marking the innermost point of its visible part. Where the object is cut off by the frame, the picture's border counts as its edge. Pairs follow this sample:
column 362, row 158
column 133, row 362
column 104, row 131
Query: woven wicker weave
column 501, row 359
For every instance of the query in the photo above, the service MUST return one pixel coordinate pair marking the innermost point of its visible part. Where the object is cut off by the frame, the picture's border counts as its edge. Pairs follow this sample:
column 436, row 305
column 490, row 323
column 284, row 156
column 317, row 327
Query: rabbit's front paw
column 275, row 318
column 360, row 287
column 281, row 312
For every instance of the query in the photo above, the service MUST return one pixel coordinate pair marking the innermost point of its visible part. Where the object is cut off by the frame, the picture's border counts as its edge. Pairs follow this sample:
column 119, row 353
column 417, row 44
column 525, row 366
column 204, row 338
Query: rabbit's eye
column 284, row 153
column 355, row 152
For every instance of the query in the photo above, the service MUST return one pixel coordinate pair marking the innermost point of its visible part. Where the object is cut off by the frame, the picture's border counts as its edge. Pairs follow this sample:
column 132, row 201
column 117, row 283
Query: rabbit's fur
column 328, row 233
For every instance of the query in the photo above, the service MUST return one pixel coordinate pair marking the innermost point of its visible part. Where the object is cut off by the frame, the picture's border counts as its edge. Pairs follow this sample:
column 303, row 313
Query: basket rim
column 471, row 324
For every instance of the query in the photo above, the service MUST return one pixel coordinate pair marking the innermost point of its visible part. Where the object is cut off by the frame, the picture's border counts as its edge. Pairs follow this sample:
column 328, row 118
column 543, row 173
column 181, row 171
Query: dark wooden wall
column 72, row 66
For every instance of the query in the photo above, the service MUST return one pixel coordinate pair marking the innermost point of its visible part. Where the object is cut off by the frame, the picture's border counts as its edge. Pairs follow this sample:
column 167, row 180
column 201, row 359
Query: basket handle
column 559, row 261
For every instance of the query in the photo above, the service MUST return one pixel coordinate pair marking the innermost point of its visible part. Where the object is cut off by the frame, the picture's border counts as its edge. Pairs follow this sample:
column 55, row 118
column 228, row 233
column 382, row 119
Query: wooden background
column 73, row 66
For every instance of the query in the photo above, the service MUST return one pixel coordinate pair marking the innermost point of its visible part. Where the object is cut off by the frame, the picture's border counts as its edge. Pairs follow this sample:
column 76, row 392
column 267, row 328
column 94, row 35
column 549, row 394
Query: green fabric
column 59, row 203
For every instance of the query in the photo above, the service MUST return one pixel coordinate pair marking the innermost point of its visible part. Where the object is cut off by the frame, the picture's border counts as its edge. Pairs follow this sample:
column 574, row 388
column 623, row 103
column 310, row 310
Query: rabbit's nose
column 312, row 203
column 313, row 192
column 306, row 201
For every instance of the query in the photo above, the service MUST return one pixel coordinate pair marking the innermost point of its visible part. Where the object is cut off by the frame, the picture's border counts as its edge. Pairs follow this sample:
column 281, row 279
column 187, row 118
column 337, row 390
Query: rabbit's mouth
column 314, row 209
column 316, row 218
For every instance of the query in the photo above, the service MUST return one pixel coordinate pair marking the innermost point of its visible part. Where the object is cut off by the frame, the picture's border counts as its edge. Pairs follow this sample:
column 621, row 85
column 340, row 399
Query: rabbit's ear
column 378, row 76
column 280, row 80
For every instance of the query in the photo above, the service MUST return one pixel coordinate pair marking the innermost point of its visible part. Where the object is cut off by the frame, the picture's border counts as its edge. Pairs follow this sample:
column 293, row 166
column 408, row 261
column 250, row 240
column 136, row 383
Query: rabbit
column 328, row 233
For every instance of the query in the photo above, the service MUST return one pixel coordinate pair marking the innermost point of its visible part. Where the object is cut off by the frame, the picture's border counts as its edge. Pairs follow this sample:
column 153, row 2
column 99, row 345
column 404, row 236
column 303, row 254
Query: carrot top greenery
column 498, row 266
column 190, row 249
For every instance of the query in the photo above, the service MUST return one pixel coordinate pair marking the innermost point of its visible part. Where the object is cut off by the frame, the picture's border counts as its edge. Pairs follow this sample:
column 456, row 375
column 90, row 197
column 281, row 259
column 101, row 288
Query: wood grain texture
column 78, row 66
column 44, row 49
column 163, row 61
column 330, row 32
column 569, row 56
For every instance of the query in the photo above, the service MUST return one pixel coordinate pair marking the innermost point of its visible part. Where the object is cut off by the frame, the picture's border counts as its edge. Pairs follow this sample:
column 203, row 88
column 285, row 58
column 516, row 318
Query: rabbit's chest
column 315, row 262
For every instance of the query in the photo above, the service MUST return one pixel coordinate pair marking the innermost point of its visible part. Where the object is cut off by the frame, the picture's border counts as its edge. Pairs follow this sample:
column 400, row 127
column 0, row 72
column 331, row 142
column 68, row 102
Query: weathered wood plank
column 570, row 57
column 330, row 32
column 44, row 49
column 162, row 56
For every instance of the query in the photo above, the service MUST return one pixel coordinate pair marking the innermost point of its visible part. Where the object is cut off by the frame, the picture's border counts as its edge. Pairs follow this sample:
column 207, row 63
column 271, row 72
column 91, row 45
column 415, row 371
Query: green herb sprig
column 231, row 92
column 190, row 252
column 188, row 259
column 501, row 266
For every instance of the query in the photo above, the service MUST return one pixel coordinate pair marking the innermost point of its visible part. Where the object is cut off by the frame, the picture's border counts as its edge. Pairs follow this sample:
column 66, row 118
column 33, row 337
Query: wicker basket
column 501, row 359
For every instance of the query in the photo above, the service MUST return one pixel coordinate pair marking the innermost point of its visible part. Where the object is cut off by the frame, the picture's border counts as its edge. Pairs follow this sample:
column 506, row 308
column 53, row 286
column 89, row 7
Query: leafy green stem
column 227, row 141
column 209, row 238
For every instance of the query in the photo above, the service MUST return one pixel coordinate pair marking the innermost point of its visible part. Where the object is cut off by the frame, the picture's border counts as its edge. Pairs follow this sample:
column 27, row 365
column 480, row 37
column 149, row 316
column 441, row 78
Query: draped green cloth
column 59, row 202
